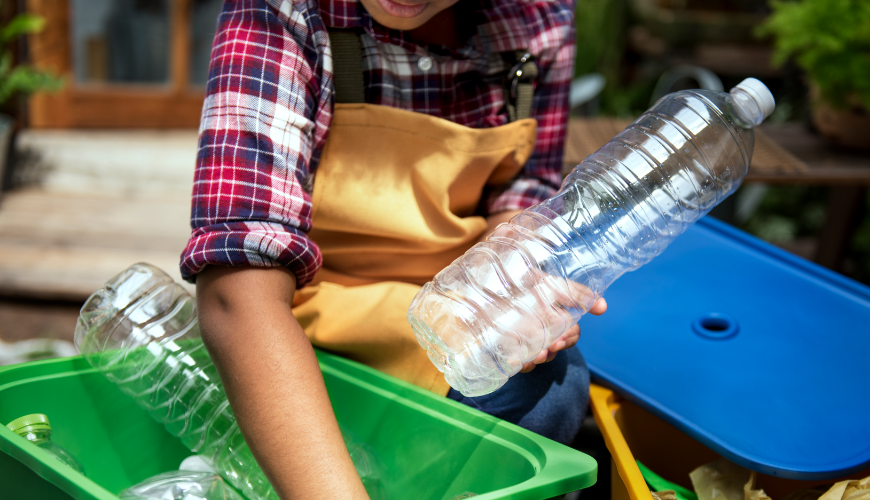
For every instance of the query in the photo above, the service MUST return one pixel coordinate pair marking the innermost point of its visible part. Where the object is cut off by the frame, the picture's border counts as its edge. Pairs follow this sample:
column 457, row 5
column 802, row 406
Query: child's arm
column 264, row 122
column 273, row 381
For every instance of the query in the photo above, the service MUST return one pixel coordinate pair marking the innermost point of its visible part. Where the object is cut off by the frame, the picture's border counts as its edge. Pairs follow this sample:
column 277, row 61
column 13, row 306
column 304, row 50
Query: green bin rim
column 560, row 469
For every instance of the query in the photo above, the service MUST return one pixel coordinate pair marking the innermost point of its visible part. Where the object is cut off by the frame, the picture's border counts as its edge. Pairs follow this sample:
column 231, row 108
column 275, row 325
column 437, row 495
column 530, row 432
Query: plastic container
column 496, row 307
column 432, row 447
column 632, row 433
column 750, row 350
column 141, row 332
column 37, row 429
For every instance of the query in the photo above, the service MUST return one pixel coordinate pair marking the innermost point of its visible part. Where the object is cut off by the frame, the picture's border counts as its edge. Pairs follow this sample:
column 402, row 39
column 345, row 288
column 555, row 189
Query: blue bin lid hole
column 716, row 326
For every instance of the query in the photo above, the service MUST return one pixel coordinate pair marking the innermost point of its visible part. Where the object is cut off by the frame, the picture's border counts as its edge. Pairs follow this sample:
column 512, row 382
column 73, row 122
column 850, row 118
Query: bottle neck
column 746, row 107
column 35, row 436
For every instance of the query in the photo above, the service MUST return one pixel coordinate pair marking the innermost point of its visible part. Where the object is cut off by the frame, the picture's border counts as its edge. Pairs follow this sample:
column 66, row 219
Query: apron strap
column 347, row 75
column 347, row 70
column 520, row 86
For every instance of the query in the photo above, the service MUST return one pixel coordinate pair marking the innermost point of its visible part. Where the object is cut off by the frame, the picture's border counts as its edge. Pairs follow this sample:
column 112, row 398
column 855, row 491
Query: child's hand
column 572, row 335
column 566, row 340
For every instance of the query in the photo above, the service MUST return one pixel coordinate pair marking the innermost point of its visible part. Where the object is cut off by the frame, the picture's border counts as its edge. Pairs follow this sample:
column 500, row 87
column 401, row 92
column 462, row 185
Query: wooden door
column 114, row 85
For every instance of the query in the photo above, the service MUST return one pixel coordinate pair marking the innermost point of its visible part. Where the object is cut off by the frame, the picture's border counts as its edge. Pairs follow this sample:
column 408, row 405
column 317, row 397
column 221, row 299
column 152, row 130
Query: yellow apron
column 393, row 201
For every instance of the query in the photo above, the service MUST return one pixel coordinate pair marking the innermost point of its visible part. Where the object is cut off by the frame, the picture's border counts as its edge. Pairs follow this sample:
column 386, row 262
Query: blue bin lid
column 762, row 356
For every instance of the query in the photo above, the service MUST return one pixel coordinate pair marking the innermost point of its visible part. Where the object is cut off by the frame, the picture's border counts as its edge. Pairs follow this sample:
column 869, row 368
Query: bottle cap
column 29, row 423
column 760, row 94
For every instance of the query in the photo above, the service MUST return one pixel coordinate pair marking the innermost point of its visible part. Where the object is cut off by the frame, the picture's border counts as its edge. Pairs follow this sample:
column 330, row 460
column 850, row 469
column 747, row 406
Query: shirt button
column 425, row 64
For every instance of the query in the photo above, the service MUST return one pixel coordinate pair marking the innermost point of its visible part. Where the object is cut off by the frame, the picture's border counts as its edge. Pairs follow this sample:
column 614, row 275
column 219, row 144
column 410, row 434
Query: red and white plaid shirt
column 269, row 105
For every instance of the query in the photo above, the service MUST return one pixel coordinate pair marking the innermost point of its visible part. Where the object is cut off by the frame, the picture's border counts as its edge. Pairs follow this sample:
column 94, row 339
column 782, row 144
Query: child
column 349, row 151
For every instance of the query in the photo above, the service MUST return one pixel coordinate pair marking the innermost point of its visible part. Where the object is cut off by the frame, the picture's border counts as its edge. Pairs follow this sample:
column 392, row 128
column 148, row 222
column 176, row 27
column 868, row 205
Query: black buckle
column 516, row 75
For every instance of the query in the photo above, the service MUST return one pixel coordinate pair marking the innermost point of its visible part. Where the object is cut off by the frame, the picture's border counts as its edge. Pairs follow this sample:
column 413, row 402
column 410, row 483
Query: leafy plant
column 601, row 39
column 22, row 80
column 830, row 40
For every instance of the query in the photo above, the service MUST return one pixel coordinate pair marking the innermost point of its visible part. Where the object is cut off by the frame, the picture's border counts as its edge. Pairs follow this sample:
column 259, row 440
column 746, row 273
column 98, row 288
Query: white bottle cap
column 760, row 94
column 196, row 463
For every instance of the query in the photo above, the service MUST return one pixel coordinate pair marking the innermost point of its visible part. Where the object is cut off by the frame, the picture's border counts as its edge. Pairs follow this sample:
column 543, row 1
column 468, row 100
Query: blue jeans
column 551, row 400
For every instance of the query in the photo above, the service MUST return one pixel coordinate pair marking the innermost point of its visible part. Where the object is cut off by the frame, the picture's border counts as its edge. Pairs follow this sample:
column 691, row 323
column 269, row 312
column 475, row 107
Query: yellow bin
column 631, row 433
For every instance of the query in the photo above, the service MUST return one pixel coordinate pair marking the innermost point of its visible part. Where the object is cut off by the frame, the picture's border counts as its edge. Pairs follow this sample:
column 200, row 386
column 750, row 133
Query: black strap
column 347, row 74
column 347, row 69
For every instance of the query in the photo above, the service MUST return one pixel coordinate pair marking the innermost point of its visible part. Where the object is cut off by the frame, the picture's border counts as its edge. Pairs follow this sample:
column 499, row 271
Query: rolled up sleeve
column 263, row 126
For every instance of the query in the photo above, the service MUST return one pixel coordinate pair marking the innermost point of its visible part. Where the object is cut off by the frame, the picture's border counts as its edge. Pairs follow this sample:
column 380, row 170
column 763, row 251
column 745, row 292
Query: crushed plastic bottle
column 37, row 429
column 141, row 332
column 181, row 485
column 508, row 298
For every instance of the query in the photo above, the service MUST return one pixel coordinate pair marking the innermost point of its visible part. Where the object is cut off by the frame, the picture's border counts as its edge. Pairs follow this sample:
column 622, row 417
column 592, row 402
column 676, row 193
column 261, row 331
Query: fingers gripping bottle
column 141, row 332
column 509, row 297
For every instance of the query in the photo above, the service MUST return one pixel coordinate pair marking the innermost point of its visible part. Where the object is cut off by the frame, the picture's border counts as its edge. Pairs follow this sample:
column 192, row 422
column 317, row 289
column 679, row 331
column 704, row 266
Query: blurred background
column 100, row 103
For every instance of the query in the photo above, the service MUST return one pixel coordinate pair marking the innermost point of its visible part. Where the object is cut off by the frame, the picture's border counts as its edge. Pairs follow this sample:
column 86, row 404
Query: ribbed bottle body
column 509, row 297
column 141, row 332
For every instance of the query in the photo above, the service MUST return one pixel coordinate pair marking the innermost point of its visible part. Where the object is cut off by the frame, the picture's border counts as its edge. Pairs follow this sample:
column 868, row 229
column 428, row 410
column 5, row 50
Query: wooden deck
column 65, row 246
column 105, row 200
column 784, row 154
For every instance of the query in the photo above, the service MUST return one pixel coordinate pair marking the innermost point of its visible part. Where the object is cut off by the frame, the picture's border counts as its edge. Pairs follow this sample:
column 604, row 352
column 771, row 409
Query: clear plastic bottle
column 141, row 332
column 181, row 485
column 509, row 297
column 37, row 429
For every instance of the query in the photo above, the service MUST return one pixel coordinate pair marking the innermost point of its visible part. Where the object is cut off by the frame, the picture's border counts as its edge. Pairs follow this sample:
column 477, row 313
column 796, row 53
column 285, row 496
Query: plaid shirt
column 269, row 104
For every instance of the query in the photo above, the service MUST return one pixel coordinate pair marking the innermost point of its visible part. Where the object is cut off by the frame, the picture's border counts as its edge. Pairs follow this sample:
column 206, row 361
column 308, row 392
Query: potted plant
column 830, row 40
column 18, row 80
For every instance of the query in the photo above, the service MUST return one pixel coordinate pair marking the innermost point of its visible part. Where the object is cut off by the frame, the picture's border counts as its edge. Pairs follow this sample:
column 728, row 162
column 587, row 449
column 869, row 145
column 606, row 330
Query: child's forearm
column 273, row 381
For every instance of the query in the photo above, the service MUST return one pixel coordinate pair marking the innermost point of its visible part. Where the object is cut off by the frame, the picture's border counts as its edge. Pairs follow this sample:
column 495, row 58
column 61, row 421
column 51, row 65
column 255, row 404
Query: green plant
column 830, row 40
column 22, row 80
column 601, row 39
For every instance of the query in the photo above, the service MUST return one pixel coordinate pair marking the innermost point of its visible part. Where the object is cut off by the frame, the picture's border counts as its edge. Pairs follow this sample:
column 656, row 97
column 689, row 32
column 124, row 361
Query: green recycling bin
column 432, row 447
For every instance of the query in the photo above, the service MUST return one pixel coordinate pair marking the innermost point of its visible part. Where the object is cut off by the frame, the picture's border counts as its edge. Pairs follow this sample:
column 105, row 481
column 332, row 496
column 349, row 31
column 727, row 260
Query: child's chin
column 403, row 24
column 404, row 21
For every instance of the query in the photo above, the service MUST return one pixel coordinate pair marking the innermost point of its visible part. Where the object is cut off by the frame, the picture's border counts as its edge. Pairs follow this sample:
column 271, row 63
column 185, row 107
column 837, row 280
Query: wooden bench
column 101, row 201
column 786, row 154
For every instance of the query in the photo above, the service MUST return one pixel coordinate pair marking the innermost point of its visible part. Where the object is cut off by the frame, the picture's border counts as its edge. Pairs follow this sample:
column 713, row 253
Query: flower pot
column 849, row 128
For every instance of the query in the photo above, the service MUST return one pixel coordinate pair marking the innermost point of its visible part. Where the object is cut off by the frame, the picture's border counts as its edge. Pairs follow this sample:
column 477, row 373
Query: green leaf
column 5, row 64
column 20, row 25
column 24, row 80
column 830, row 40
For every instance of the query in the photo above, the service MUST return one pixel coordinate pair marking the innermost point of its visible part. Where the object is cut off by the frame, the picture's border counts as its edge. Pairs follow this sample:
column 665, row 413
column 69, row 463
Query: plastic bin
column 631, row 433
column 755, row 353
column 432, row 447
